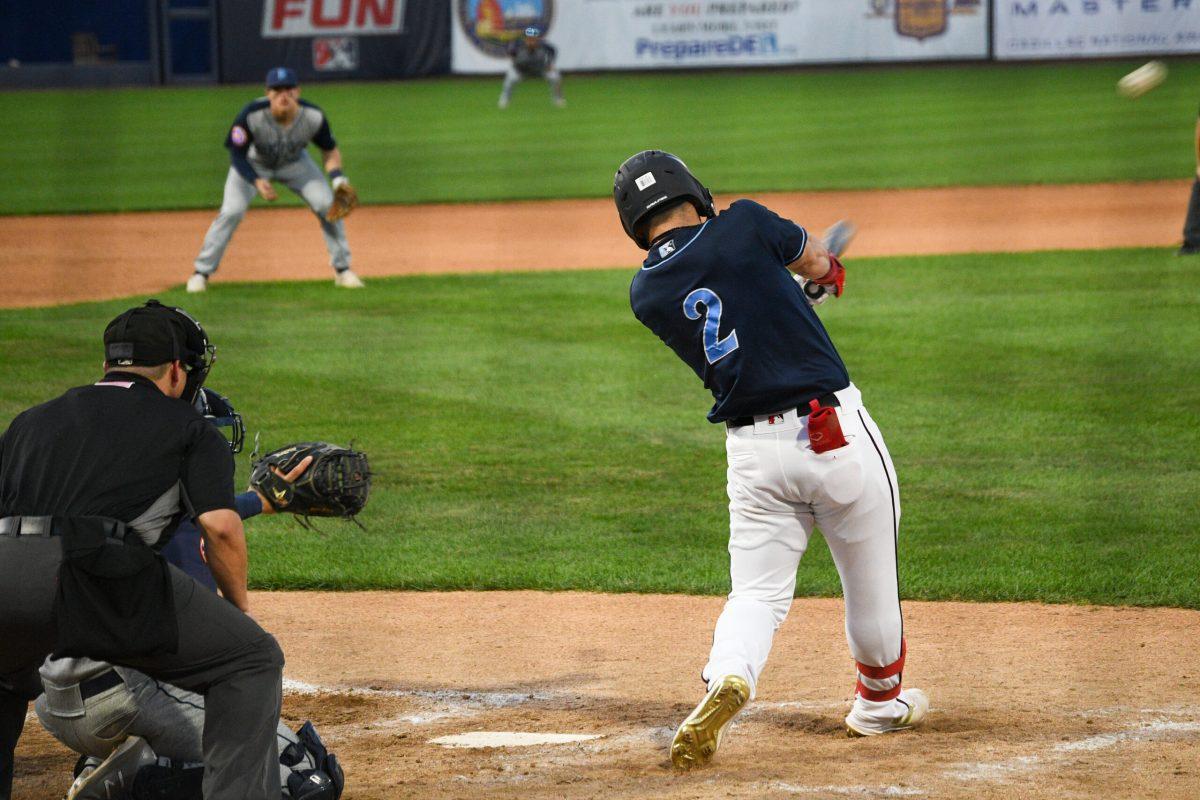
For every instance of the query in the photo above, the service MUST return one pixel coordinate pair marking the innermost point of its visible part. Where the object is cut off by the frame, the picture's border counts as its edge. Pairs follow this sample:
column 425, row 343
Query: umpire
column 92, row 485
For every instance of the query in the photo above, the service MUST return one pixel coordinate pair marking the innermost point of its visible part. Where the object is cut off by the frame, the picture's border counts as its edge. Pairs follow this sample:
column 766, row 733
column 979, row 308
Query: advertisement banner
column 1030, row 29
column 653, row 34
column 333, row 39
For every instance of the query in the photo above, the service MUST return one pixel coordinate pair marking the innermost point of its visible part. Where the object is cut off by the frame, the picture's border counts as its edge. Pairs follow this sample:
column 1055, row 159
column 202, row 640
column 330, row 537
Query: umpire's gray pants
column 303, row 177
column 223, row 655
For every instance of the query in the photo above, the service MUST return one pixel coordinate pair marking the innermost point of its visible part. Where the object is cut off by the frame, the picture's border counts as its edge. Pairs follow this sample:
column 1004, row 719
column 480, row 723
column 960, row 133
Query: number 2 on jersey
column 715, row 348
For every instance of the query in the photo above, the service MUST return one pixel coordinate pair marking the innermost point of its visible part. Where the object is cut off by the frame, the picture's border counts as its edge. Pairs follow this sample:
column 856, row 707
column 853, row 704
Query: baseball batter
column 803, row 452
column 532, row 57
column 269, row 142
column 1191, row 223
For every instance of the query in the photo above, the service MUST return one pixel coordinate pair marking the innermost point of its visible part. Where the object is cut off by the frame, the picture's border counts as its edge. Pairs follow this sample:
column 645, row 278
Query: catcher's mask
column 650, row 182
column 220, row 412
column 155, row 334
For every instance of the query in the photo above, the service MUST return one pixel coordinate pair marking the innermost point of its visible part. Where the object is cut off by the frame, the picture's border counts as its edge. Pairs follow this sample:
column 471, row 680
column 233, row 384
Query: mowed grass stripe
column 526, row 432
column 445, row 141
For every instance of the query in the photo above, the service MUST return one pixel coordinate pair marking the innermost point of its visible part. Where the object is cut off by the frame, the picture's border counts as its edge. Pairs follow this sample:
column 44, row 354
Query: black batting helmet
column 154, row 334
column 219, row 411
column 647, row 183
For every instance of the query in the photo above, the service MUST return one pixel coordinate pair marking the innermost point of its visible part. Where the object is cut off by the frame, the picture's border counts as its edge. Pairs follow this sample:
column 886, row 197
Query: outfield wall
column 1044, row 29
column 68, row 42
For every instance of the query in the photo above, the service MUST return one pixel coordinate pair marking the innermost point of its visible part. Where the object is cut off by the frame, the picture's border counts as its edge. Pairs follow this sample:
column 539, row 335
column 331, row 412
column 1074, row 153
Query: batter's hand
column 265, row 189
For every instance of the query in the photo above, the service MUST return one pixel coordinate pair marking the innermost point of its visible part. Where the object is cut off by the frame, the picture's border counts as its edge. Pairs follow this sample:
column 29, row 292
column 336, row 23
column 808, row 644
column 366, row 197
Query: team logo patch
column 238, row 135
column 666, row 249
column 492, row 24
column 645, row 181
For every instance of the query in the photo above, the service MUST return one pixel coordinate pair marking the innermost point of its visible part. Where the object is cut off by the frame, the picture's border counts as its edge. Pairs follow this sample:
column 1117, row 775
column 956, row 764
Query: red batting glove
column 835, row 278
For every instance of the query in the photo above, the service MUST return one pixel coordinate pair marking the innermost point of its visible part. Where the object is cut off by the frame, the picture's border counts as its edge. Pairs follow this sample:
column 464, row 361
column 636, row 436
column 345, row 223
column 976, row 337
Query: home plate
column 510, row 739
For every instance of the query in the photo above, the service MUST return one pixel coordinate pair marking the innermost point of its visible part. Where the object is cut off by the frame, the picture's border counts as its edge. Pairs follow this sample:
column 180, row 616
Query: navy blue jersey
column 720, row 295
column 186, row 548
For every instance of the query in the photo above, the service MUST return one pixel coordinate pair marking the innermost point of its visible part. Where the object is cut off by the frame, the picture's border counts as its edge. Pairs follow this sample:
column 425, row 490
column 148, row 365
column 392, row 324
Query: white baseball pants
column 779, row 490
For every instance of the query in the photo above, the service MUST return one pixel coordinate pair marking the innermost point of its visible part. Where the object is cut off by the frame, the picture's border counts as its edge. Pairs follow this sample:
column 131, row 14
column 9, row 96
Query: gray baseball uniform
column 170, row 719
column 259, row 147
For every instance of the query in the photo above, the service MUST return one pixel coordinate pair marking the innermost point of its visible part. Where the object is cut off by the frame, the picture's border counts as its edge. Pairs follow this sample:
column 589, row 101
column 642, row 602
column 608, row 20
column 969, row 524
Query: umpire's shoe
column 113, row 778
column 699, row 736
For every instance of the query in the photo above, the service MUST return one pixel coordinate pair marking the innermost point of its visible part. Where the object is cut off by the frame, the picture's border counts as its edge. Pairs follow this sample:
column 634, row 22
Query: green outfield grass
column 445, row 140
column 526, row 432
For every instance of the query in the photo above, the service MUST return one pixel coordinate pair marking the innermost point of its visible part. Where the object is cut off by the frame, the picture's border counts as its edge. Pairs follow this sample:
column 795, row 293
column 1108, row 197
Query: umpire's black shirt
column 119, row 448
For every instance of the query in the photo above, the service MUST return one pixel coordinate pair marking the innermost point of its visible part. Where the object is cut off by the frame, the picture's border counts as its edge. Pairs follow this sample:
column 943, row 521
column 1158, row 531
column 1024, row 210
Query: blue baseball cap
column 281, row 76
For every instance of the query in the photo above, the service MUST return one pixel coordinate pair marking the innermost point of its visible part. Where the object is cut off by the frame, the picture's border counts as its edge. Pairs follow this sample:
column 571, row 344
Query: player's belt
column 53, row 526
column 825, row 401
column 101, row 683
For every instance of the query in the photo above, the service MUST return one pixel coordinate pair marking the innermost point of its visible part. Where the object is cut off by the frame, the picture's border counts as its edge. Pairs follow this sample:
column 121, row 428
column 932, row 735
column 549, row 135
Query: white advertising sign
column 658, row 34
column 290, row 18
column 1085, row 28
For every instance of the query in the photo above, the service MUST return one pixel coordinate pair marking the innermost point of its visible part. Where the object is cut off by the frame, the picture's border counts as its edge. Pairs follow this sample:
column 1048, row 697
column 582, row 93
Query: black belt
column 101, row 683
column 52, row 526
column 825, row 401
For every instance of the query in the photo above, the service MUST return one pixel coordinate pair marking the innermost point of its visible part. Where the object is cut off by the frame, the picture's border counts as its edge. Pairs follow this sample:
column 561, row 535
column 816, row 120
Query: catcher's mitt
column 345, row 200
column 336, row 483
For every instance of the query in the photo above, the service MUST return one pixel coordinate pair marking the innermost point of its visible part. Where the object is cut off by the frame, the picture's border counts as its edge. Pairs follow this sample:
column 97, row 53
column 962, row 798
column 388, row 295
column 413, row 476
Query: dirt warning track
column 47, row 260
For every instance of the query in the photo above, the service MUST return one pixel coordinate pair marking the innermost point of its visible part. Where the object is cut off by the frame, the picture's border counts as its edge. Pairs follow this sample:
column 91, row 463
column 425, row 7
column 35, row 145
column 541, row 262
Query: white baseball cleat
column 561, row 102
column 346, row 279
column 197, row 283
column 900, row 714
column 113, row 778
column 699, row 736
column 502, row 103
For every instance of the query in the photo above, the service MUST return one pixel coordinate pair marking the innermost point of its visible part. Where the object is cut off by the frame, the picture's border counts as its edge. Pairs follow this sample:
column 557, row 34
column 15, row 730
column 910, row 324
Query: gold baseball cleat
column 699, row 736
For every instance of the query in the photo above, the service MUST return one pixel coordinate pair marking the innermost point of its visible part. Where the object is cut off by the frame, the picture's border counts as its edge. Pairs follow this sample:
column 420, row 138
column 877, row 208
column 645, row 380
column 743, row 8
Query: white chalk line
column 1146, row 731
column 450, row 696
column 849, row 791
column 490, row 739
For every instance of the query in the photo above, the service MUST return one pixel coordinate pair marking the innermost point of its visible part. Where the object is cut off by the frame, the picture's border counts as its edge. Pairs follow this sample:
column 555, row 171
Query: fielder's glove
column 336, row 483
column 345, row 200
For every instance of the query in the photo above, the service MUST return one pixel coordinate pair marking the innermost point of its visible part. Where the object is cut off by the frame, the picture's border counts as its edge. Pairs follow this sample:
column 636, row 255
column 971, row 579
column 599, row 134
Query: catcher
column 145, row 736
column 269, row 141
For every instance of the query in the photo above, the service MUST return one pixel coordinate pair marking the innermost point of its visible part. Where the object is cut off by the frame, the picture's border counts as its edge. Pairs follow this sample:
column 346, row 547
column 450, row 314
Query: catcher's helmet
column 219, row 411
column 647, row 183
column 155, row 334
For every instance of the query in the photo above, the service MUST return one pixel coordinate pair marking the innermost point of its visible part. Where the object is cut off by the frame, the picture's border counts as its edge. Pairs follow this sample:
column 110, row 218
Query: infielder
column 532, row 57
column 269, row 141
column 129, row 728
column 803, row 452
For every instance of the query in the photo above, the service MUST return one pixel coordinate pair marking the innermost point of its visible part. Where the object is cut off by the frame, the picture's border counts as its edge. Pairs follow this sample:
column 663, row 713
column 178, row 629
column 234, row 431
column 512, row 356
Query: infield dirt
column 47, row 260
column 1029, row 701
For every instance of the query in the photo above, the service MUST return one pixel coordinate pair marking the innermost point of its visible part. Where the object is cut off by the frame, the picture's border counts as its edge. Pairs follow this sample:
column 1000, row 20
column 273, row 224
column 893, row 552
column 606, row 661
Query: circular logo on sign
column 493, row 24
